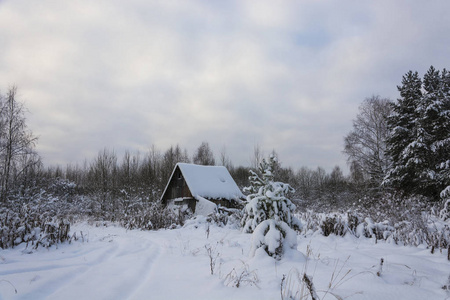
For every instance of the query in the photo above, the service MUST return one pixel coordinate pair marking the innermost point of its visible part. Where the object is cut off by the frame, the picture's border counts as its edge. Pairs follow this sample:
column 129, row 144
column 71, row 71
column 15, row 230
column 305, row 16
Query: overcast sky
column 286, row 75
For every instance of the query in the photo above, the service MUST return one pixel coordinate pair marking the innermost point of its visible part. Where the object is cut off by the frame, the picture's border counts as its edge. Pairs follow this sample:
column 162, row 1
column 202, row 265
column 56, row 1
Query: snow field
column 113, row 263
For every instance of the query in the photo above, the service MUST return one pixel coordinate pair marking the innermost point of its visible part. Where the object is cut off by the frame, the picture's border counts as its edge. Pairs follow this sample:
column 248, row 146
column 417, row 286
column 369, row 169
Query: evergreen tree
column 433, row 135
column 420, row 159
column 441, row 144
column 402, row 132
column 424, row 158
column 419, row 140
column 269, row 214
column 268, row 199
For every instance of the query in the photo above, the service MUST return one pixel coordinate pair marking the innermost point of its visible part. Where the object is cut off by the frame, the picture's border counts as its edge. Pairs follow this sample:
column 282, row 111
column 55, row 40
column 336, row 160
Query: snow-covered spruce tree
column 417, row 155
column 269, row 214
column 441, row 145
column 434, row 111
column 401, row 126
column 419, row 140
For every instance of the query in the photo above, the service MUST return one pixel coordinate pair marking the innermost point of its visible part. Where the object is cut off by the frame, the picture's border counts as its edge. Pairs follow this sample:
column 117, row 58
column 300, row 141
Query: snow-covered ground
column 113, row 263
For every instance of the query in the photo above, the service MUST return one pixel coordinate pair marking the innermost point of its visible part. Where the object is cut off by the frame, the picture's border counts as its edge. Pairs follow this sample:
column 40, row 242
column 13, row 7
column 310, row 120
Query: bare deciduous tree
column 17, row 154
column 204, row 155
column 225, row 159
column 171, row 157
column 257, row 157
column 365, row 145
column 103, row 174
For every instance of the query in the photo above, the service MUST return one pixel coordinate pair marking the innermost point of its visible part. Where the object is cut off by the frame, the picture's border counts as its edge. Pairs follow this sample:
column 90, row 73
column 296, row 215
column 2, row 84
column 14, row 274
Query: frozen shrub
column 54, row 233
column 421, row 229
column 327, row 225
column 353, row 222
column 445, row 212
column 226, row 217
column 378, row 231
column 152, row 216
column 31, row 227
column 311, row 221
column 438, row 238
column 242, row 276
column 333, row 224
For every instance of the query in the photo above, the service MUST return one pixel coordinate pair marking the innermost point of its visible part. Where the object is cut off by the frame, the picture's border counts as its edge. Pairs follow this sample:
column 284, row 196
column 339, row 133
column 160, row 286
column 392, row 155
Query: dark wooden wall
column 177, row 187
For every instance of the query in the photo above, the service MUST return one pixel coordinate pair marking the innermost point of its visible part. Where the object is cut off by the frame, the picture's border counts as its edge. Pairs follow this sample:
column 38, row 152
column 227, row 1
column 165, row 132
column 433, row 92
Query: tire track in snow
column 115, row 277
column 66, row 262
column 45, row 276
column 174, row 274
column 101, row 269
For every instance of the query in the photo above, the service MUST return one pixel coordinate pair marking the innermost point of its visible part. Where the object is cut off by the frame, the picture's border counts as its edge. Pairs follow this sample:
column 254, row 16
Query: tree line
column 400, row 147
column 141, row 176
column 145, row 175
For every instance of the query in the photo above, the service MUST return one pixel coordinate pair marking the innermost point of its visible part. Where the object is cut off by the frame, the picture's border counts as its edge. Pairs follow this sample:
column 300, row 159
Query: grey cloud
column 289, row 77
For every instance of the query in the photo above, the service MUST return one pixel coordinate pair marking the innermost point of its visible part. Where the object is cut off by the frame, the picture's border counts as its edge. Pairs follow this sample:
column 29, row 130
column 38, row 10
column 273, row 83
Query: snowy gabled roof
column 212, row 182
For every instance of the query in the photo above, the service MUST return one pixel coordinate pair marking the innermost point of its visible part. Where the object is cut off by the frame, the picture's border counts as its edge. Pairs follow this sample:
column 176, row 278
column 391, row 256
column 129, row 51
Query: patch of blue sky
column 315, row 38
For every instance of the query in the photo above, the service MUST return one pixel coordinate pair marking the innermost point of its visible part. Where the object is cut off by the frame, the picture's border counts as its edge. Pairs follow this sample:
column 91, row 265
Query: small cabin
column 190, row 183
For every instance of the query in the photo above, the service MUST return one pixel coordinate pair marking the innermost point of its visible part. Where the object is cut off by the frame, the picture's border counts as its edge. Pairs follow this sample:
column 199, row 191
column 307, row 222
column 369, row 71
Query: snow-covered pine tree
column 269, row 214
column 402, row 132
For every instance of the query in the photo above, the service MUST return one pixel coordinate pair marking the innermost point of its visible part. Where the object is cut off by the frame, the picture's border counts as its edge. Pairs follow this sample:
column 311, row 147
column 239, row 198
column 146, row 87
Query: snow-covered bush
column 332, row 224
column 32, row 227
column 230, row 217
column 269, row 214
column 426, row 230
column 445, row 212
column 152, row 216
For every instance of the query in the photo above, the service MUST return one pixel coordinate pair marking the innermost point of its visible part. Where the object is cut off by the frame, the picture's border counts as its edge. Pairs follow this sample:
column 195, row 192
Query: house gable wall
column 177, row 187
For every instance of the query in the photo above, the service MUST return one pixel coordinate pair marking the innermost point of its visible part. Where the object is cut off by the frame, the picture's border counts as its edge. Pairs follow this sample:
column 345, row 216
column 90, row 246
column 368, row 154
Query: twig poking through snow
column 207, row 231
column 213, row 255
column 308, row 281
column 448, row 253
column 380, row 269
column 15, row 290
column 447, row 286
column 242, row 277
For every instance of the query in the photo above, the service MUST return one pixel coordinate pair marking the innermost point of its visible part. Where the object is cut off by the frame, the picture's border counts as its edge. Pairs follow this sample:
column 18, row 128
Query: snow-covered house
column 192, row 184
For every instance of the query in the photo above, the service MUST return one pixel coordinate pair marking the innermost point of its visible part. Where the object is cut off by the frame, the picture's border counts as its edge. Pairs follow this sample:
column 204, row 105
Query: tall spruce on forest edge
column 419, row 140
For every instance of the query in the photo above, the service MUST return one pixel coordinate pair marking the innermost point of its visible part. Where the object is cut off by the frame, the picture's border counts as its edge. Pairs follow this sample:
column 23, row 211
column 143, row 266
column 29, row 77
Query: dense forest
column 398, row 154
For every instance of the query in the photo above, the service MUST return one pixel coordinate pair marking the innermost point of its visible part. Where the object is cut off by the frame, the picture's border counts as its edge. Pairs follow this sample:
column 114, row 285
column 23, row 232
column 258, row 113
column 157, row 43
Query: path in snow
column 113, row 263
